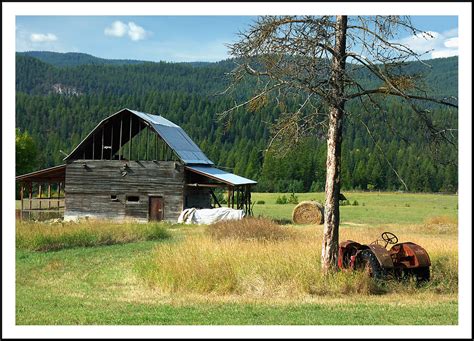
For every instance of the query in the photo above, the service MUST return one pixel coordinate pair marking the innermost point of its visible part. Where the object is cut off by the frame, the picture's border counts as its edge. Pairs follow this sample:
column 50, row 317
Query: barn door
column 156, row 208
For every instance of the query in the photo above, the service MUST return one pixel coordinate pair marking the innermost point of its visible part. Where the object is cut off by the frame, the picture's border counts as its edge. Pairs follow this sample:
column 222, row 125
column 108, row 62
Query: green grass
column 374, row 208
column 76, row 311
column 97, row 286
column 47, row 237
column 103, row 285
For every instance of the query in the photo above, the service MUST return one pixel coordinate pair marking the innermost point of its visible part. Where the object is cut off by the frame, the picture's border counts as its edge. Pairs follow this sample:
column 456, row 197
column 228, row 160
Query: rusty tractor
column 402, row 260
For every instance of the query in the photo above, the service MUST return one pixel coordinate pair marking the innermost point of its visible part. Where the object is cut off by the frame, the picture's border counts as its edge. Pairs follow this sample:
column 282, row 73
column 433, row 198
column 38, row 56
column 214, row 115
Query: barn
column 133, row 165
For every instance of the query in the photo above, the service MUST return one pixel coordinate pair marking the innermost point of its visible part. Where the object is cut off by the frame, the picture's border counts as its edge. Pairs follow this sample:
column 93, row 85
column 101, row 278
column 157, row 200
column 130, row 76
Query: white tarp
column 209, row 215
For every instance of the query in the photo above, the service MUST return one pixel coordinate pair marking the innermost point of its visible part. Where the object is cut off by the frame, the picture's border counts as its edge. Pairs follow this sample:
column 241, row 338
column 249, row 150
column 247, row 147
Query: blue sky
column 179, row 38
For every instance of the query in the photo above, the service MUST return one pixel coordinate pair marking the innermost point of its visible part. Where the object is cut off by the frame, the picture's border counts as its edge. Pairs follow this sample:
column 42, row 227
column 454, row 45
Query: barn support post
column 111, row 142
column 22, row 189
column 102, row 149
column 49, row 195
column 238, row 197
column 228, row 196
column 216, row 201
column 120, row 139
column 233, row 195
column 249, row 200
column 30, row 192
column 245, row 197
column 59, row 193
column 40, row 195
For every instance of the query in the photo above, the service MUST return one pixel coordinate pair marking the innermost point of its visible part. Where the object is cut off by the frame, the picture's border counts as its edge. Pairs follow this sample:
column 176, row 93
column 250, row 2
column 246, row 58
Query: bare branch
column 386, row 91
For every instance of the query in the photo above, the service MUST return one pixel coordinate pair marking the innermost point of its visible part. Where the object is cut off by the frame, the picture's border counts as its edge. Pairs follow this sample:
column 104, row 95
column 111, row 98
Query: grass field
column 194, row 278
column 373, row 207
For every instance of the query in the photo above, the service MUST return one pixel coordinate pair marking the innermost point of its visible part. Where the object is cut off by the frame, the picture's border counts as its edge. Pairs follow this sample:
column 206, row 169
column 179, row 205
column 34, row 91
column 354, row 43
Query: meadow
column 254, row 272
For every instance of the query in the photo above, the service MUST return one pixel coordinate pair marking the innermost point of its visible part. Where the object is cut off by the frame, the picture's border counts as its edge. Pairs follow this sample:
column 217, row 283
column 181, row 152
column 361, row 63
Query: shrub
column 259, row 229
column 49, row 237
column 260, row 202
column 281, row 200
column 355, row 203
column 344, row 203
column 293, row 199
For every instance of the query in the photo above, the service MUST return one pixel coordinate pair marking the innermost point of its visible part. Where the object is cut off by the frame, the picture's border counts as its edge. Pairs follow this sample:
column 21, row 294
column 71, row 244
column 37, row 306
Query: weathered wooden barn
column 135, row 165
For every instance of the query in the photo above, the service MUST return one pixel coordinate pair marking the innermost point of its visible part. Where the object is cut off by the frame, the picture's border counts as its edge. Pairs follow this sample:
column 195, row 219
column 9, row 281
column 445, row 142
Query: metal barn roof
column 220, row 175
column 172, row 134
column 176, row 138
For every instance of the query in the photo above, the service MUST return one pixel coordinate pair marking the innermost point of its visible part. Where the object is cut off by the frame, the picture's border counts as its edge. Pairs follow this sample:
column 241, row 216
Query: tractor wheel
column 422, row 274
column 368, row 262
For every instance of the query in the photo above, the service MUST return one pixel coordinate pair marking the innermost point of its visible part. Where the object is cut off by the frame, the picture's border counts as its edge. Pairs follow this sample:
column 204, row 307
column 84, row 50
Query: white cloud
column 451, row 42
column 31, row 41
column 117, row 29
column 42, row 38
column 136, row 32
column 120, row 29
column 434, row 44
column 444, row 53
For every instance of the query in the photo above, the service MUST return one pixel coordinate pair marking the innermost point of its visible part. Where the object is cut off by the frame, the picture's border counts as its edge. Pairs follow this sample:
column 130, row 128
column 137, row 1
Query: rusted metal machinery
column 402, row 260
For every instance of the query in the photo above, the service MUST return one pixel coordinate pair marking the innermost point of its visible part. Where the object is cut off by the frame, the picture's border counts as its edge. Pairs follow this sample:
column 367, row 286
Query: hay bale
column 308, row 212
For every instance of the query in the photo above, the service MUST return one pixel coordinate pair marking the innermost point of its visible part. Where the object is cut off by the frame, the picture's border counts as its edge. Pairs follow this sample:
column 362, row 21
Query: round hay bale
column 308, row 212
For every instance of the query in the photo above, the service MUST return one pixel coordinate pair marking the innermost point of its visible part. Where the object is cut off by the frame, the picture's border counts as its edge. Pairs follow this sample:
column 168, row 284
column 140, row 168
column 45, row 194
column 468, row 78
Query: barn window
column 133, row 198
column 113, row 197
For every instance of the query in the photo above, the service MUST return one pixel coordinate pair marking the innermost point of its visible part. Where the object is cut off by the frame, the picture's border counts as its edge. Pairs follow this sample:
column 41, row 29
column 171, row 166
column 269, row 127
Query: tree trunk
column 334, row 141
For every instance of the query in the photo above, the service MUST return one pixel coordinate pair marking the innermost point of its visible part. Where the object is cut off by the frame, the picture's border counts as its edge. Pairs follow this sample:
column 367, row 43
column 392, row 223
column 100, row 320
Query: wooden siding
column 91, row 183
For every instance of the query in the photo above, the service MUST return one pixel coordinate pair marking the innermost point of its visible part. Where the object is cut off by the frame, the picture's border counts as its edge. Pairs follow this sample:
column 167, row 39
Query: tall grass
column 283, row 267
column 250, row 268
column 48, row 237
column 249, row 229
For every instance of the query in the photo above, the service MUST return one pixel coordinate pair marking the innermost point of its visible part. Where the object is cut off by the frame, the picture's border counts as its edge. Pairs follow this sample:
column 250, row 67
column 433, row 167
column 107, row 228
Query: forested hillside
column 59, row 101
column 75, row 59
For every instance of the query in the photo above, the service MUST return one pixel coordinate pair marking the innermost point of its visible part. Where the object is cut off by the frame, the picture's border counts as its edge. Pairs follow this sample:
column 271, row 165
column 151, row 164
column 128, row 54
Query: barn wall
column 89, row 189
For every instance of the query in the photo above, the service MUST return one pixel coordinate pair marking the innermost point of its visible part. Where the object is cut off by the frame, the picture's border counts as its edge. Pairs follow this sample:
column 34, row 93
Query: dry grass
column 441, row 225
column 249, row 229
column 441, row 220
column 48, row 237
column 286, row 267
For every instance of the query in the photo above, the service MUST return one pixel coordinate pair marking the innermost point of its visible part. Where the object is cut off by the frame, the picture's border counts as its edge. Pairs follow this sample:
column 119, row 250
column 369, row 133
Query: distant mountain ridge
column 76, row 58
column 61, row 59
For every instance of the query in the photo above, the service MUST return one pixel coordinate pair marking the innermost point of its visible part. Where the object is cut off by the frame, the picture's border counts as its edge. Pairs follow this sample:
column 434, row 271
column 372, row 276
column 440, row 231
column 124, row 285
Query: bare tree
column 320, row 60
